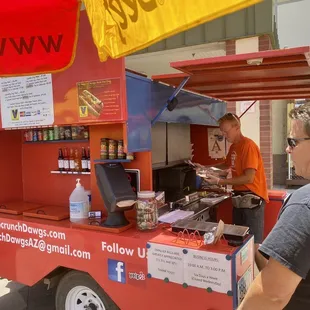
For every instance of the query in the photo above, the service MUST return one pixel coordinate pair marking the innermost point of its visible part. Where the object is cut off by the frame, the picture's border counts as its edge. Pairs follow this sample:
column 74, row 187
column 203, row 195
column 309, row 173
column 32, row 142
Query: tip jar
column 147, row 212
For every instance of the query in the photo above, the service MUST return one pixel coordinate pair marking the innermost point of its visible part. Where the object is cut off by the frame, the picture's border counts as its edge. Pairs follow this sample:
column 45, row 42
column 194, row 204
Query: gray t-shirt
column 289, row 241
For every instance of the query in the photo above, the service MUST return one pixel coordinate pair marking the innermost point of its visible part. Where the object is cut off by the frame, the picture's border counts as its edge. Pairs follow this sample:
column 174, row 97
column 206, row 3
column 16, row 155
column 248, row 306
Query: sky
column 293, row 24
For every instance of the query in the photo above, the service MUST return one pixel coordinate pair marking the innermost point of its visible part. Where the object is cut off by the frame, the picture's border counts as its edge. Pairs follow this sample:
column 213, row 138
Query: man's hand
column 223, row 173
column 212, row 179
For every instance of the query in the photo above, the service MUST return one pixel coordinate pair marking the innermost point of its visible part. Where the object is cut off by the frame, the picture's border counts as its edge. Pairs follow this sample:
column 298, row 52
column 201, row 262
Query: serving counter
column 129, row 266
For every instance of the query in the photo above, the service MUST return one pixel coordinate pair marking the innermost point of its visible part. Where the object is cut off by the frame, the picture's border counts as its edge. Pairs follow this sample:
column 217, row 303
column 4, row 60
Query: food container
column 160, row 198
column 74, row 132
column 56, row 133
column 45, row 134
column 147, row 212
column 85, row 133
column 62, row 133
column 120, row 150
column 26, row 136
column 68, row 133
column 35, row 136
column 104, row 145
column 30, row 135
column 112, row 149
column 51, row 134
column 130, row 156
column 40, row 135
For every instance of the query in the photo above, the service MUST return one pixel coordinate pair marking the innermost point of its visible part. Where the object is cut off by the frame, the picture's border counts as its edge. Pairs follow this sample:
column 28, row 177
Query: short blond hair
column 230, row 117
column 302, row 113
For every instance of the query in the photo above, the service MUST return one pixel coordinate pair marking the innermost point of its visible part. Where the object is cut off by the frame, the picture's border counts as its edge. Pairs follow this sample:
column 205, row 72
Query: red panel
column 272, row 209
column 89, row 251
column 232, row 59
column 87, row 67
column 282, row 74
column 11, row 188
column 199, row 137
column 40, row 186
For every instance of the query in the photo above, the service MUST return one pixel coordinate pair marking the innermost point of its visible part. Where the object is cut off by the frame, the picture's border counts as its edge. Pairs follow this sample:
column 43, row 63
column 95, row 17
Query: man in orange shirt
column 248, row 180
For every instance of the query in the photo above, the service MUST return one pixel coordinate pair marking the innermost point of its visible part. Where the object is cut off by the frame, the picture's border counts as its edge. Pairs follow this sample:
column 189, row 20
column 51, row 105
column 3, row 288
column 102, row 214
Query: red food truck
column 101, row 267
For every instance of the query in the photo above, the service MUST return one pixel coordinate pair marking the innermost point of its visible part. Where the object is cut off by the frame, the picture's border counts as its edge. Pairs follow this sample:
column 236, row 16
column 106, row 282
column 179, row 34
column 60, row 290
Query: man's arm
column 246, row 178
column 288, row 248
column 272, row 288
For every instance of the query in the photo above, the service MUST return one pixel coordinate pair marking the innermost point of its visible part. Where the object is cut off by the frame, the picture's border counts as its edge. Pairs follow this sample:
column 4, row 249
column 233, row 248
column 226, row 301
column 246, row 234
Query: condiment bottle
column 77, row 162
column 60, row 160
column 56, row 132
column 84, row 160
column 88, row 160
column 66, row 160
column 71, row 160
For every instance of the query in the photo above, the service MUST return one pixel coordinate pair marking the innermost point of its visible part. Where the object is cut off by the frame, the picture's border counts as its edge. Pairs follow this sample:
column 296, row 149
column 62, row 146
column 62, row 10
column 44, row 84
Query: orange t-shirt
column 246, row 155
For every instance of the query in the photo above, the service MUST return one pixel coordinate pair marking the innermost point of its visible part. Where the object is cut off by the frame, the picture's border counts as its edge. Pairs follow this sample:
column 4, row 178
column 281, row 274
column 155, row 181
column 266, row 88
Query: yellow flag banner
column 121, row 27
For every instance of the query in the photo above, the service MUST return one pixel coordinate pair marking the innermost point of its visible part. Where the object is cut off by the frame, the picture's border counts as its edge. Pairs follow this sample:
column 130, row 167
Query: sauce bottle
column 77, row 162
column 71, row 160
column 88, row 160
column 66, row 160
column 84, row 160
column 60, row 160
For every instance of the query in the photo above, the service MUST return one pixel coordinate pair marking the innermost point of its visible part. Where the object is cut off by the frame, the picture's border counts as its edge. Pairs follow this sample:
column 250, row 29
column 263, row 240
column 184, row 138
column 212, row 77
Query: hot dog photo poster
column 99, row 100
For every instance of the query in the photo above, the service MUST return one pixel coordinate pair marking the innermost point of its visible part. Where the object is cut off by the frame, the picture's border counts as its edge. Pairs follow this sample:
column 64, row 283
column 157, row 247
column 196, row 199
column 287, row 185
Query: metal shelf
column 57, row 141
column 69, row 172
column 108, row 161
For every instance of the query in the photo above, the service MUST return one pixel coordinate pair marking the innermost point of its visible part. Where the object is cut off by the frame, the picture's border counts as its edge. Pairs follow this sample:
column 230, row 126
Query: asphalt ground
column 15, row 296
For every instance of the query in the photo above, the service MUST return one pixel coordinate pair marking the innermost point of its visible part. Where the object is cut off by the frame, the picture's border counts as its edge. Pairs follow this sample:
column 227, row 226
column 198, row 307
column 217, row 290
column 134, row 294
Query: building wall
column 255, row 20
column 293, row 23
column 279, row 135
column 250, row 120
column 256, row 124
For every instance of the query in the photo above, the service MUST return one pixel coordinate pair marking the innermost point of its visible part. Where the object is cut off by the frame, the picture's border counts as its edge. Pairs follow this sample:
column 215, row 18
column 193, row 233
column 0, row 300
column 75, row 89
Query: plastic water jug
column 79, row 203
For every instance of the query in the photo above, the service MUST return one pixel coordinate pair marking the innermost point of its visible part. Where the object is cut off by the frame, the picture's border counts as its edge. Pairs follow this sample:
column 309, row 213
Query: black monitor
column 114, row 188
column 176, row 181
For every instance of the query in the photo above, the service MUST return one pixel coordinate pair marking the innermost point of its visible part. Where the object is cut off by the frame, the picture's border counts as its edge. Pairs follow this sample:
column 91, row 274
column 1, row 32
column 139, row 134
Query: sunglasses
column 293, row 142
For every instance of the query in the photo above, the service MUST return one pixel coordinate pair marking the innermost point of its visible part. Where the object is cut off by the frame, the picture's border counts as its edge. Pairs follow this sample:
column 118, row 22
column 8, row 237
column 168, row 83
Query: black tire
column 73, row 279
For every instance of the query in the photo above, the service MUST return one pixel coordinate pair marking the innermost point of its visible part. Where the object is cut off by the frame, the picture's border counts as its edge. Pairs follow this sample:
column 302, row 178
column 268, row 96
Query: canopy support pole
column 249, row 107
column 170, row 99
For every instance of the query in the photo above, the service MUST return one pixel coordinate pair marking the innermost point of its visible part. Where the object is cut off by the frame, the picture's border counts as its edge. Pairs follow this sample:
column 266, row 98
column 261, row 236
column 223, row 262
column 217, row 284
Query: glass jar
column 112, row 149
column 104, row 147
column 147, row 212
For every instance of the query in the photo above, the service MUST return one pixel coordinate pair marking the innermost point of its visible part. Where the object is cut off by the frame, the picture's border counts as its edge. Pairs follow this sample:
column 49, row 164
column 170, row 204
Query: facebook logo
column 116, row 271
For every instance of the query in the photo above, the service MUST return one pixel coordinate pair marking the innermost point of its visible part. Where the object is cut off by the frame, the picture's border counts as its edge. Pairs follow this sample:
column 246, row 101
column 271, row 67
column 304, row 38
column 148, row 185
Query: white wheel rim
column 83, row 298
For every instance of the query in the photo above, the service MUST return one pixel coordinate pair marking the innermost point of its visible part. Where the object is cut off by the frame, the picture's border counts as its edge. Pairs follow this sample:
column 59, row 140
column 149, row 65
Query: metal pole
column 175, row 93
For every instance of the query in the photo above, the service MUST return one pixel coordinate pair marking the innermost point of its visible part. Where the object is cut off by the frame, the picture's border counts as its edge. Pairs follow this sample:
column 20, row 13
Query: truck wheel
column 79, row 291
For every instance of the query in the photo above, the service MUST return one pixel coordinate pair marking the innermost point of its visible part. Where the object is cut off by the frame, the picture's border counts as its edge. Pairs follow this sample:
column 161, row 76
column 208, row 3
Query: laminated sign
column 121, row 27
column 216, row 143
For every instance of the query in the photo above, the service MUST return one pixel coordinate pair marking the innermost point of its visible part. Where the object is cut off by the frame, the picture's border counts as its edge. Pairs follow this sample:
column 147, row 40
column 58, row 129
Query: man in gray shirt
column 284, row 283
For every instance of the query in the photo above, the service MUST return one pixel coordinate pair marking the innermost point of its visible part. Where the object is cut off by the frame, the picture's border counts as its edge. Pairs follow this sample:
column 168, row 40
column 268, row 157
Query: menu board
column 99, row 100
column 27, row 101
column 202, row 269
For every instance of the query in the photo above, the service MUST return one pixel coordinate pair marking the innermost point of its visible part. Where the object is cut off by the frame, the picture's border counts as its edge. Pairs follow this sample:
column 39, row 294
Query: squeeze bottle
column 79, row 203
